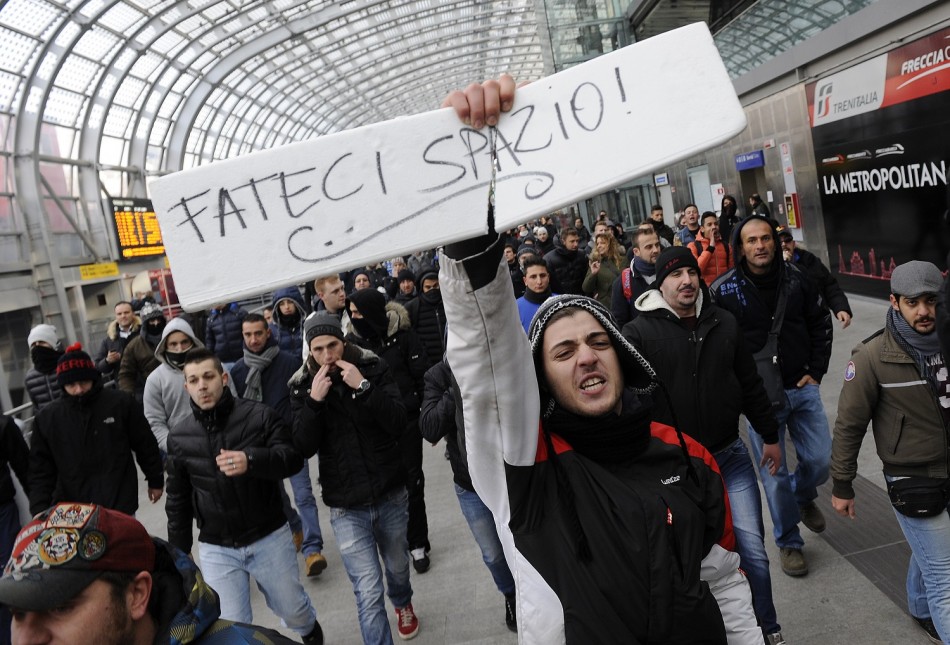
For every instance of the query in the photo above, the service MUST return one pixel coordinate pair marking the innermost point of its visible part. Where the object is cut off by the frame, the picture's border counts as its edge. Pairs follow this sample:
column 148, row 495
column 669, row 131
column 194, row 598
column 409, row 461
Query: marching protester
column 564, row 440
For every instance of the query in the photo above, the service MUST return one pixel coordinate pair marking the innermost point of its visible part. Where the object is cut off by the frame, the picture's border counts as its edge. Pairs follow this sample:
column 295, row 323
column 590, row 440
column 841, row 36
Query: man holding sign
column 612, row 517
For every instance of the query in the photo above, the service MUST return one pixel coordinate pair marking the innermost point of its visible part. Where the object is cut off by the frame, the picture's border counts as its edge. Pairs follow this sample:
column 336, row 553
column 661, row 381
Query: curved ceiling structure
column 95, row 95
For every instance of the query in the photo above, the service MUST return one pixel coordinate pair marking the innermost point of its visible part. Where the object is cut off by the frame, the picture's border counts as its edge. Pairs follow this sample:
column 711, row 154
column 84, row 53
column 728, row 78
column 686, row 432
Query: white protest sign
column 276, row 217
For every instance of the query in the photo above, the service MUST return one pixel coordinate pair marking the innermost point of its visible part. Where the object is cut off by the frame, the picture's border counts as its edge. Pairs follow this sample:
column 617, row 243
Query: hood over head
column 175, row 324
column 638, row 374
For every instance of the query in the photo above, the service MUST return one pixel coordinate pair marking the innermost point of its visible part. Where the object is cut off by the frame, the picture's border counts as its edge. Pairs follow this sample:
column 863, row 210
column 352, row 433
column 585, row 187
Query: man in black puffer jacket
column 225, row 466
column 427, row 315
column 384, row 329
column 348, row 409
column 83, row 443
column 567, row 263
column 45, row 350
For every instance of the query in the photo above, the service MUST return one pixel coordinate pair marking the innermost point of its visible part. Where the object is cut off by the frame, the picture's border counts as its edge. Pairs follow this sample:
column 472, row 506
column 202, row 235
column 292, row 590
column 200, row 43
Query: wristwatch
column 363, row 387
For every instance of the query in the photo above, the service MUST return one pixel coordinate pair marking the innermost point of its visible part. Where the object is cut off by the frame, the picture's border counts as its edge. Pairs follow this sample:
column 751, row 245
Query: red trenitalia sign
column 882, row 155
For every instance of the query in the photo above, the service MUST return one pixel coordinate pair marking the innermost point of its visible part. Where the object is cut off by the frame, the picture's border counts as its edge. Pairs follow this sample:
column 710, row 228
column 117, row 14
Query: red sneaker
column 407, row 622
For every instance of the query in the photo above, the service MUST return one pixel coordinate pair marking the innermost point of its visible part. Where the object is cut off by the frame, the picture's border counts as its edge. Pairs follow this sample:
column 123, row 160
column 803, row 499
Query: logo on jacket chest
column 670, row 480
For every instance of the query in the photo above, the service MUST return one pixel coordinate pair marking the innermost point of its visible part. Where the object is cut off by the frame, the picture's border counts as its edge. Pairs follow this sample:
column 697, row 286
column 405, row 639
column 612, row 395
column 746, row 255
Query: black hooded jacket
column 385, row 330
column 805, row 336
column 82, row 451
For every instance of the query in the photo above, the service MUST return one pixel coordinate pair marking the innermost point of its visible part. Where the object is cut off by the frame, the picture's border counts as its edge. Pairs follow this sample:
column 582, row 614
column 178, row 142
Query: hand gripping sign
column 251, row 224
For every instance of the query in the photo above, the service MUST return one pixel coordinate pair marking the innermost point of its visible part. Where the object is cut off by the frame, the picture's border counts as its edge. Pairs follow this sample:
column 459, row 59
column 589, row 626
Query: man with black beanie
column 348, row 409
column 699, row 354
column 83, row 443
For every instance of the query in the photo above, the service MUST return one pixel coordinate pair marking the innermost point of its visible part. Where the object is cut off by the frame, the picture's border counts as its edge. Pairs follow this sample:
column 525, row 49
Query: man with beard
column 607, row 517
column 897, row 380
column 406, row 280
column 40, row 382
column 384, row 329
column 348, row 409
column 712, row 252
column 262, row 375
column 82, row 444
column 567, row 262
column 637, row 278
column 427, row 316
column 103, row 579
column 138, row 359
column 788, row 329
column 225, row 466
column 699, row 354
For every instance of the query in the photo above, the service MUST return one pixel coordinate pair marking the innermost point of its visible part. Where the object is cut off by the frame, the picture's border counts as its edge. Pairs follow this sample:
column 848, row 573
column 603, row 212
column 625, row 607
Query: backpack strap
column 626, row 280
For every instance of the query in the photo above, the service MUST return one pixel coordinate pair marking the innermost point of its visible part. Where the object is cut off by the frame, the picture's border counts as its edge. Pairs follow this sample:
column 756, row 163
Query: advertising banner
column 879, row 132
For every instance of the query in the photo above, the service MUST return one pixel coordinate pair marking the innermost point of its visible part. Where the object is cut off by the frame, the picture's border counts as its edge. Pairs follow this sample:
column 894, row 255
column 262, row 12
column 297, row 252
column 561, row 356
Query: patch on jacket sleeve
column 849, row 371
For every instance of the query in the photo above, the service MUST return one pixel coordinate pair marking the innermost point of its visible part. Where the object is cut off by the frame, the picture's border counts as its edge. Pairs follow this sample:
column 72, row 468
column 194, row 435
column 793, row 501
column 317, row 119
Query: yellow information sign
column 99, row 270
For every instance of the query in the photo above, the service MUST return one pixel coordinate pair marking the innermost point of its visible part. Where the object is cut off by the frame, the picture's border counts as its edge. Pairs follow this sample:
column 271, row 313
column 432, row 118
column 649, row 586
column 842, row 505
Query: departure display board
column 136, row 229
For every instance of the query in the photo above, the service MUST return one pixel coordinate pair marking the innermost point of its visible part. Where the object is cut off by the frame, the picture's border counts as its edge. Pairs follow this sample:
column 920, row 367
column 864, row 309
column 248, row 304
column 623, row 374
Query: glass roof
column 154, row 86
column 96, row 95
column 771, row 27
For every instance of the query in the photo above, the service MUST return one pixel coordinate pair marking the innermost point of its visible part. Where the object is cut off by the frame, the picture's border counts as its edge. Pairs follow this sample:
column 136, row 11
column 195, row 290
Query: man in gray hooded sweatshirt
column 166, row 402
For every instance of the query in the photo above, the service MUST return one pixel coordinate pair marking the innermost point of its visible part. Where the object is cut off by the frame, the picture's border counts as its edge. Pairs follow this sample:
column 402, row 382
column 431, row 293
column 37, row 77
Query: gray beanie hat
column 322, row 323
column 916, row 277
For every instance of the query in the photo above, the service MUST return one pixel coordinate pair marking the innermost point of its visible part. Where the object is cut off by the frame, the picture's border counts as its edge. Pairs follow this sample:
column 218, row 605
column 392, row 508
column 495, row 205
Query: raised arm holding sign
column 352, row 198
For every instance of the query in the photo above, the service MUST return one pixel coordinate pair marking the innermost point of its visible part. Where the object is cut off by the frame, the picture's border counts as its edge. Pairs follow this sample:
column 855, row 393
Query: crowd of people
column 588, row 386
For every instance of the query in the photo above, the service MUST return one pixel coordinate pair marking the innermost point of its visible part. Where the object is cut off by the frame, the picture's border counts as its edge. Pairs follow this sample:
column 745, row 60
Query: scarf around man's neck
column 920, row 347
column 256, row 364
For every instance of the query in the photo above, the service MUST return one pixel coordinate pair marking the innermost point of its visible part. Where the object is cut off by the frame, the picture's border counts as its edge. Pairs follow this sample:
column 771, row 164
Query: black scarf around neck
column 537, row 298
column 607, row 438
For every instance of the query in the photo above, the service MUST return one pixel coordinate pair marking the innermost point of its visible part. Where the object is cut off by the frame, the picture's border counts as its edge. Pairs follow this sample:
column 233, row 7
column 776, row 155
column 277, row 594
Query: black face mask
column 175, row 359
column 364, row 328
column 433, row 296
column 153, row 330
column 44, row 358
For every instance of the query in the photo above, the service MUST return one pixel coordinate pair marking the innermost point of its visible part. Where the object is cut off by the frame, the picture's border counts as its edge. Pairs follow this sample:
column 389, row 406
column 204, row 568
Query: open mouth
column 592, row 383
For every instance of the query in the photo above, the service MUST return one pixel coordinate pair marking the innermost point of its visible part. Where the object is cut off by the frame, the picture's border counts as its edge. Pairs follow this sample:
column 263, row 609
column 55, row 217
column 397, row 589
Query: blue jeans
column 364, row 534
column 482, row 523
column 273, row 563
column 928, row 574
column 738, row 474
column 804, row 417
column 308, row 520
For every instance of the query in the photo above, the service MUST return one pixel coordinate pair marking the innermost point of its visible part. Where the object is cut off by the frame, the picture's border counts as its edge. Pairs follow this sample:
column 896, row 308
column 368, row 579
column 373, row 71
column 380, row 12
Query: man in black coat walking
column 83, row 443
